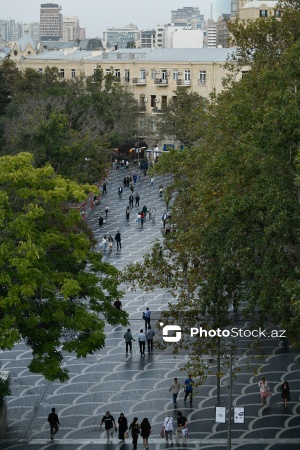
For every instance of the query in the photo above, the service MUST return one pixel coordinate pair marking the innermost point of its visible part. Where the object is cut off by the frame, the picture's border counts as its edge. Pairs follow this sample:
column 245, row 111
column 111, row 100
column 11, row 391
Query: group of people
column 109, row 240
column 265, row 392
column 136, row 429
column 142, row 338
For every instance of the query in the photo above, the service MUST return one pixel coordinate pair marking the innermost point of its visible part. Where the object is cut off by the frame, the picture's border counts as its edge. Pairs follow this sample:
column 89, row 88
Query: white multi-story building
column 211, row 34
column 71, row 28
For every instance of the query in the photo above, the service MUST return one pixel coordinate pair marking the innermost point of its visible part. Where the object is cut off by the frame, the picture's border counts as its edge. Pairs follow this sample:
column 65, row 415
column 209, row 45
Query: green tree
column 56, row 292
column 236, row 207
column 183, row 117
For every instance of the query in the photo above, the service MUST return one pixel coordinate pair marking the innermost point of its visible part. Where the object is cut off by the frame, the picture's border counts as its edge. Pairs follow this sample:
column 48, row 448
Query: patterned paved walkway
column 110, row 380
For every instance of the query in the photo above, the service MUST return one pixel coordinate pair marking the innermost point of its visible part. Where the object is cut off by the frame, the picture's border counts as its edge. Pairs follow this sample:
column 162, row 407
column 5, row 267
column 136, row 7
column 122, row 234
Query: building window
column 62, row 73
column 153, row 74
column 153, row 101
column 202, row 77
column 73, row 73
column 126, row 76
column 175, row 75
column 164, row 74
column 277, row 13
column 142, row 74
column 263, row 13
column 187, row 75
column 107, row 71
column 118, row 74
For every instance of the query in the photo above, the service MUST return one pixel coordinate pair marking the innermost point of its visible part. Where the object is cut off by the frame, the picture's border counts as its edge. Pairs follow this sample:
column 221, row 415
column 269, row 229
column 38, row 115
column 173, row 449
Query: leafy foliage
column 45, row 248
column 71, row 124
column 236, row 199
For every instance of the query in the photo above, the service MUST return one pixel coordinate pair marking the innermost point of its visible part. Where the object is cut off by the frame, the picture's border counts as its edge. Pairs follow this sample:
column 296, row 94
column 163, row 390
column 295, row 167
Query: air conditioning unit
column 158, row 71
column 157, row 100
column 179, row 73
column 145, row 100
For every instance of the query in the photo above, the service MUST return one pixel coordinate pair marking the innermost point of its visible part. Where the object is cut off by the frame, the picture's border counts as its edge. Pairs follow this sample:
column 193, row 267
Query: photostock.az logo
column 169, row 328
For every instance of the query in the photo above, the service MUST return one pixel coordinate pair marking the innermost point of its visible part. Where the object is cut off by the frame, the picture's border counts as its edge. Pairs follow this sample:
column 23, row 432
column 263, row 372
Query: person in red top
column 142, row 218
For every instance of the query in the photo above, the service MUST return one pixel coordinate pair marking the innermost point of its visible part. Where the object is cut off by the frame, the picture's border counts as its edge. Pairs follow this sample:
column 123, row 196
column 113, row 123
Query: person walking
column 54, row 423
column 123, row 427
column 110, row 241
column 104, row 188
column 109, row 425
column 175, row 388
column 146, row 317
column 188, row 387
column 152, row 181
column 106, row 210
column 131, row 201
column 142, row 341
column 142, row 218
column 138, row 218
column 100, row 221
column 103, row 243
column 137, row 200
column 128, row 340
column 149, row 336
column 145, row 432
column 135, row 431
column 118, row 240
column 164, row 219
column 153, row 214
column 120, row 191
column 264, row 390
column 127, row 213
column 118, row 304
column 168, row 427
column 181, row 431
column 285, row 393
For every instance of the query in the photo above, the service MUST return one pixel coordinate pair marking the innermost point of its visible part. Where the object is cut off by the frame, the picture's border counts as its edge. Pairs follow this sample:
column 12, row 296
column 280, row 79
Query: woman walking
column 110, row 241
column 127, row 213
column 123, row 427
column 285, row 393
column 145, row 432
column 135, row 431
column 264, row 390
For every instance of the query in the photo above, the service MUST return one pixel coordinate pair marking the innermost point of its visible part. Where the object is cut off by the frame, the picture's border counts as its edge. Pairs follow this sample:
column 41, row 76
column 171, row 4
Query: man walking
column 146, row 317
column 137, row 200
column 175, row 388
column 188, row 387
column 104, row 187
column 120, row 190
column 181, row 428
column 54, row 423
column 118, row 240
column 149, row 335
column 142, row 342
column 109, row 424
column 128, row 340
column 131, row 201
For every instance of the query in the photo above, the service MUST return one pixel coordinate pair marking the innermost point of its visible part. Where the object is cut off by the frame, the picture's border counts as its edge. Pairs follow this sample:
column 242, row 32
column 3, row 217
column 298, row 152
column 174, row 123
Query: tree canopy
column 236, row 198
column 47, row 295
column 72, row 124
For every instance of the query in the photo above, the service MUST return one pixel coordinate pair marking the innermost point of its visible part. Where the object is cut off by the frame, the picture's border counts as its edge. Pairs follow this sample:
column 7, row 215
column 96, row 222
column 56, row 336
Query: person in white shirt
column 168, row 427
column 142, row 342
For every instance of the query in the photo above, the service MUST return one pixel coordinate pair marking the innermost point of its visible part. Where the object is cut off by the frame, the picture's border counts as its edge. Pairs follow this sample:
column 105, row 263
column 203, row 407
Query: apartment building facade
column 51, row 22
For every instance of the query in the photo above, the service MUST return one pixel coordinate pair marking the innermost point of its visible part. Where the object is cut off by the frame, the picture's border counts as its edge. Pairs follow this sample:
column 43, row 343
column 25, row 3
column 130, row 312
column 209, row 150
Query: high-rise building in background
column 51, row 22
column 188, row 14
column 71, row 29
column 219, row 7
column 121, row 37
column 82, row 33
column 11, row 31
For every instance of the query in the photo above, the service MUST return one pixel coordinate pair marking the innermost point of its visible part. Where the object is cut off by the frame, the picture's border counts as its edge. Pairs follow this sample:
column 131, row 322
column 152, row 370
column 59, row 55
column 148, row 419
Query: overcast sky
column 97, row 15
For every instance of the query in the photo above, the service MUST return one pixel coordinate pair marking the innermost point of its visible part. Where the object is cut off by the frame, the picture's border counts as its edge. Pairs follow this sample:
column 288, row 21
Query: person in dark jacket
column 100, row 221
column 123, row 426
column 118, row 240
column 285, row 393
column 145, row 432
column 135, row 431
column 54, row 423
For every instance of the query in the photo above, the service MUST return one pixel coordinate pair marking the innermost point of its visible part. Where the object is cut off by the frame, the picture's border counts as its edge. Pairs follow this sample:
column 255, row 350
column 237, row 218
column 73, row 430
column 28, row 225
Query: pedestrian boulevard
column 111, row 380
